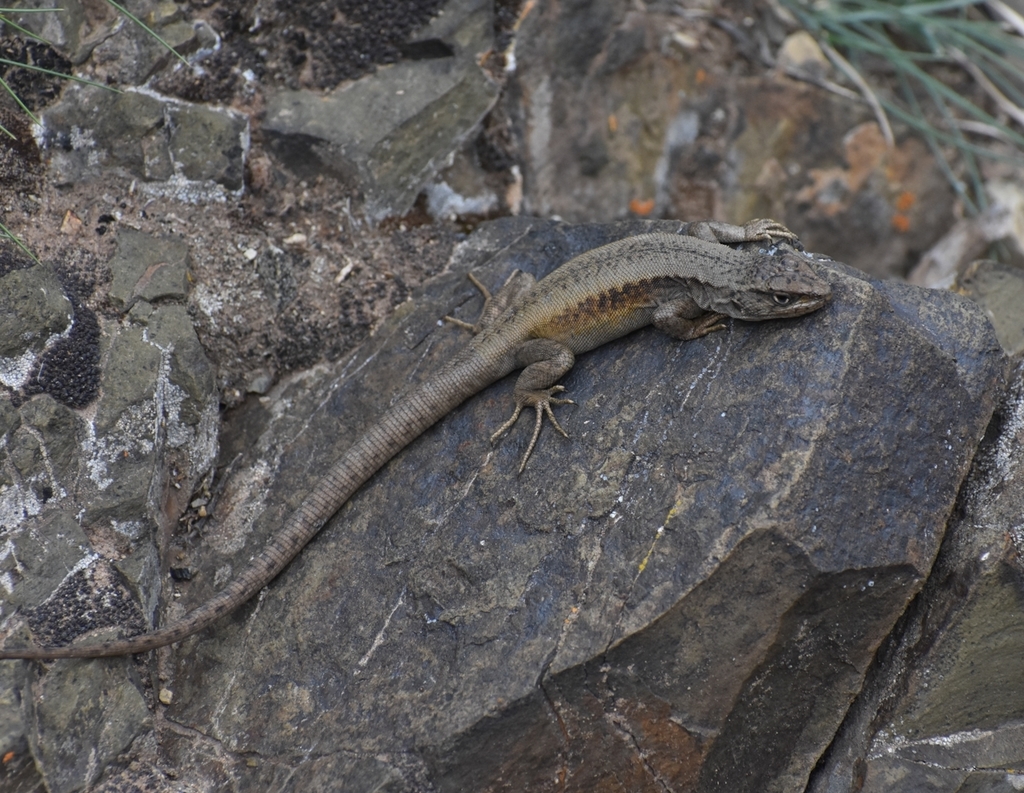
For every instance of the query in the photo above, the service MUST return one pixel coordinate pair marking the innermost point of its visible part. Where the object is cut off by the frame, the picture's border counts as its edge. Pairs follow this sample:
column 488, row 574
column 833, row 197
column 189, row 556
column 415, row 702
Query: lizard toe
column 541, row 401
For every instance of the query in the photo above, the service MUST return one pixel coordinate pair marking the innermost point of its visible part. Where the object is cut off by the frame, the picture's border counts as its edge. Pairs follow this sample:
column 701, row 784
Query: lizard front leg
column 545, row 361
column 760, row 230
column 684, row 319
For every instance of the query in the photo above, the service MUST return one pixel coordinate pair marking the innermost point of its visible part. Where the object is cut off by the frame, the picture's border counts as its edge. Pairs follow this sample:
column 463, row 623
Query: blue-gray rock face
column 691, row 589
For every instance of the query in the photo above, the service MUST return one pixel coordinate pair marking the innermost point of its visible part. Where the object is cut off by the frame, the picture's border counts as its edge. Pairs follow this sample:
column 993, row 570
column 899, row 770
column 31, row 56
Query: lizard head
column 774, row 287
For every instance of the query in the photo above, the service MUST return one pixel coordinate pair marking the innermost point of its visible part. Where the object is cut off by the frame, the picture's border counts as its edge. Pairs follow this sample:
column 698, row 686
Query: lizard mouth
column 801, row 304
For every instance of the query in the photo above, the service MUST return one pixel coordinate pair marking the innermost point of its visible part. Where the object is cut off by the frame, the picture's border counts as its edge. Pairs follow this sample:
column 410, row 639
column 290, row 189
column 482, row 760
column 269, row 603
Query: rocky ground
column 243, row 256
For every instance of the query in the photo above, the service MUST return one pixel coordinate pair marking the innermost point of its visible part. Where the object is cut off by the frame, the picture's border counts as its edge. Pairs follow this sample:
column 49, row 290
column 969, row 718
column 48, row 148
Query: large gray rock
column 943, row 709
column 123, row 51
column 688, row 593
column 390, row 131
column 184, row 146
column 148, row 271
column 33, row 310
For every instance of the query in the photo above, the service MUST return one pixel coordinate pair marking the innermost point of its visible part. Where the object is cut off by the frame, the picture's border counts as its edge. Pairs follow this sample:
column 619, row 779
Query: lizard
column 684, row 284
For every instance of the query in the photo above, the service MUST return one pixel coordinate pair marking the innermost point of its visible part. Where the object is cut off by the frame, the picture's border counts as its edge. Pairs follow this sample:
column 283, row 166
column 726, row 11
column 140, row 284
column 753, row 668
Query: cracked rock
column 156, row 139
column 391, row 131
column 86, row 488
column 686, row 593
column 33, row 308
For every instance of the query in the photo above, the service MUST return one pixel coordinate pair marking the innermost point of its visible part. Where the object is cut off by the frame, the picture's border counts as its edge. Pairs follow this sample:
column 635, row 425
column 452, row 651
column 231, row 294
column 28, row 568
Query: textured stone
column 392, row 130
column 208, row 144
column 999, row 288
column 32, row 309
column 50, row 339
column 191, row 378
column 610, row 117
column 48, row 433
column 151, row 137
column 85, row 716
column 63, row 26
column 148, row 267
column 943, row 709
column 691, row 589
column 83, row 495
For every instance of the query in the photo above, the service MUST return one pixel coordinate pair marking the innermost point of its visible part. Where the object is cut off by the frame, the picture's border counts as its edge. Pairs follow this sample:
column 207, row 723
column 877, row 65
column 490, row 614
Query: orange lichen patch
column 641, row 207
column 905, row 201
column 865, row 150
column 700, row 77
column 901, row 223
column 831, row 188
column 613, row 123
column 8, row 757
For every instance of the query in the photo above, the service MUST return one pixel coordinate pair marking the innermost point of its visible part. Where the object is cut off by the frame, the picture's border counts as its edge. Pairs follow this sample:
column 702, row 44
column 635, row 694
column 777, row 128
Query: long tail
column 398, row 427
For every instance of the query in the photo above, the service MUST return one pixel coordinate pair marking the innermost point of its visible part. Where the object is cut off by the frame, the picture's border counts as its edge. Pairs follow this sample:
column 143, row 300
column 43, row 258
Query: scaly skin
column 684, row 285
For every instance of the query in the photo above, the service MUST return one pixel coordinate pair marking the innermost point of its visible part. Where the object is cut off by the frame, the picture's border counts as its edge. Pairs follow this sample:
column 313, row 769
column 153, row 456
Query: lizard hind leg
column 516, row 285
column 545, row 361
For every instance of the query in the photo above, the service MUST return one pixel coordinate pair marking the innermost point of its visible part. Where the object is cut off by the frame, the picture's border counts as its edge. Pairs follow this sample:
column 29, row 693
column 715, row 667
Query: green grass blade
column 935, row 87
column 33, row 68
column 17, row 99
column 906, row 63
column 887, row 13
column 909, row 37
column 866, row 42
column 6, row 232
column 931, row 139
column 970, row 162
column 146, row 28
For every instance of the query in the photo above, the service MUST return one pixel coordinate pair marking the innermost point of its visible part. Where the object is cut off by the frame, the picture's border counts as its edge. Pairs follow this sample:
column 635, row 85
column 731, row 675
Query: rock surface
column 999, row 289
column 615, row 111
column 391, row 134
column 689, row 592
column 156, row 139
column 578, row 647
column 103, row 436
column 943, row 705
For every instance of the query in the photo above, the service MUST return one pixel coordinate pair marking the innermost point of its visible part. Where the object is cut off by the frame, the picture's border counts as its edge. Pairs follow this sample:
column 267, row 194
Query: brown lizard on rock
column 684, row 285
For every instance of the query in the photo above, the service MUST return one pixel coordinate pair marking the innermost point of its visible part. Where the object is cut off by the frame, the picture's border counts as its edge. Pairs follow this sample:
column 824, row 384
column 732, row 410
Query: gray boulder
column 686, row 594
column 103, row 435
column 689, row 590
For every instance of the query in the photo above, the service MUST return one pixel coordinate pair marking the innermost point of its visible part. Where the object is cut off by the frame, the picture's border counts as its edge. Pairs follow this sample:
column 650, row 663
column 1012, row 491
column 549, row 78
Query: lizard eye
column 782, row 299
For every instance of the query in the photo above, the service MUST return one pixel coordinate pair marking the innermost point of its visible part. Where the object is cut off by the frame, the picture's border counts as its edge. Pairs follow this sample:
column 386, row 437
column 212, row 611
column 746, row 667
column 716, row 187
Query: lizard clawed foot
column 541, row 401
column 766, row 230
